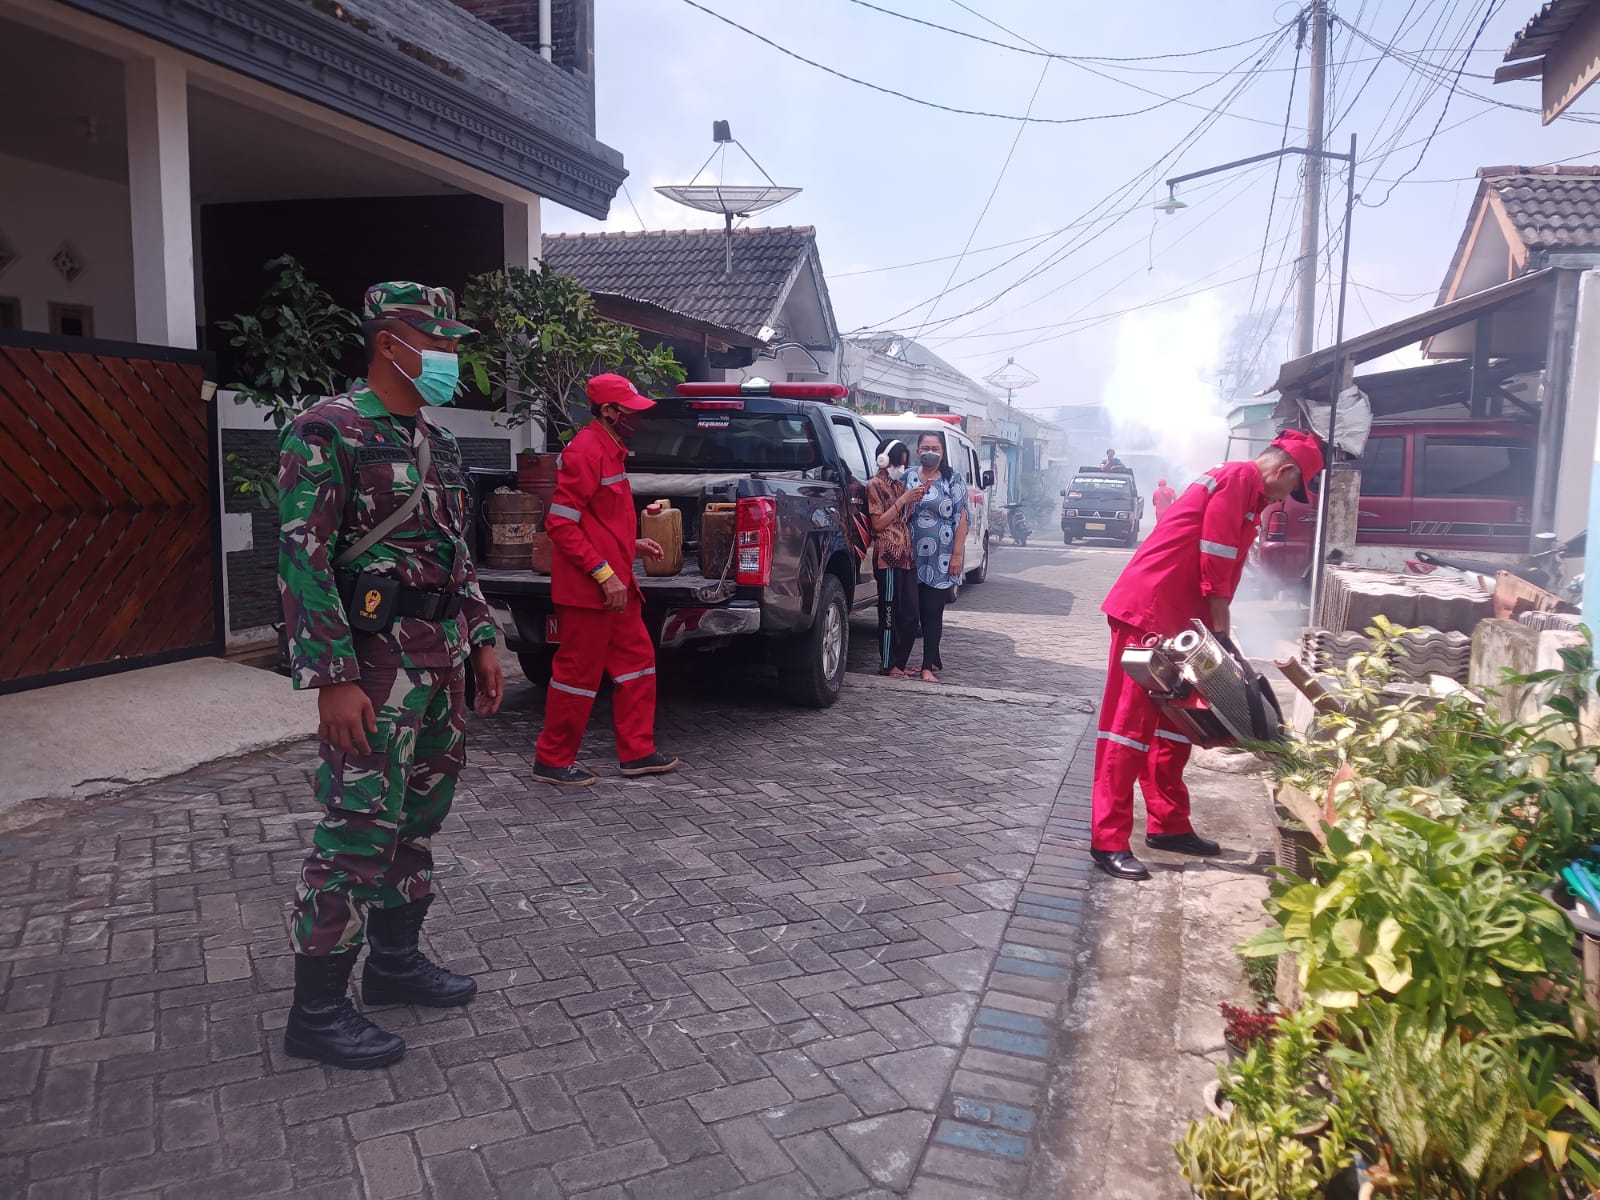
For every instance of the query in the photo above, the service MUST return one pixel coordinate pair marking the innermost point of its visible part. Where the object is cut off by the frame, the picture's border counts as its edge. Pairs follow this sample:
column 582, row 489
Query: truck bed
column 687, row 587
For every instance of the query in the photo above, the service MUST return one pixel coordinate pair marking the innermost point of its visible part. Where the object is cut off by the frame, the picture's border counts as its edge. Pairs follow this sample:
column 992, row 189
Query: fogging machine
column 1205, row 686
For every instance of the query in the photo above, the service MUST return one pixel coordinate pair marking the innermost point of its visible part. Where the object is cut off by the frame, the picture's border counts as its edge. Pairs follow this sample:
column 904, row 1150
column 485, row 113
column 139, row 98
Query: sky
column 1102, row 298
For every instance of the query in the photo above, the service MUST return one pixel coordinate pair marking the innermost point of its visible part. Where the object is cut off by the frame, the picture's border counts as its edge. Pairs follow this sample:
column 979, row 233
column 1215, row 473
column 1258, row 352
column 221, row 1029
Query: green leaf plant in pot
column 541, row 339
column 290, row 349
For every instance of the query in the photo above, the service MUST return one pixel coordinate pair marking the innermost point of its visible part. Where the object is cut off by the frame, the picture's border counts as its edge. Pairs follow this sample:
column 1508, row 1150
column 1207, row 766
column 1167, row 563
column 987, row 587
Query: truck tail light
column 1277, row 527
column 755, row 528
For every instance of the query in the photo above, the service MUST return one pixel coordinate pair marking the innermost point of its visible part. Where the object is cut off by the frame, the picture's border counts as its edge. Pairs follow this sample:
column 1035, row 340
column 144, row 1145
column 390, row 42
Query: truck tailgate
column 687, row 587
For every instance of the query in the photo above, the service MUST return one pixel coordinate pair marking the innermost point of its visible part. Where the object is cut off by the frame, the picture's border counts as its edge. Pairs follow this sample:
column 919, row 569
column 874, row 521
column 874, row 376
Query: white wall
column 40, row 207
column 1583, row 398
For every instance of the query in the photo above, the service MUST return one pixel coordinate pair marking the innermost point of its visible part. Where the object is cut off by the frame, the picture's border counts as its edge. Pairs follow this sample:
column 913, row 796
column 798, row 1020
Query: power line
column 1039, row 51
column 933, row 305
column 1117, row 195
column 1489, row 11
column 965, row 112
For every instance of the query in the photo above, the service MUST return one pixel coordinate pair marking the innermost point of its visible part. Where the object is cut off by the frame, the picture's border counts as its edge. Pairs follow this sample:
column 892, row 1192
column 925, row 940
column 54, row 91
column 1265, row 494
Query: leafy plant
column 289, row 350
column 1245, row 1027
column 541, row 338
column 1288, row 1133
column 1423, row 912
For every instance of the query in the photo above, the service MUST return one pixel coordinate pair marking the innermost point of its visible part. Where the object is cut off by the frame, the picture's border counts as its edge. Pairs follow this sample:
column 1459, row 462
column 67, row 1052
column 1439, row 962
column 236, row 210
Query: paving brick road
column 820, row 960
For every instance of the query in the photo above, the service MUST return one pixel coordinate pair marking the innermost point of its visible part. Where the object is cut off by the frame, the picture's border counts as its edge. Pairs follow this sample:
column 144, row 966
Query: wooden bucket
column 536, row 475
column 716, row 539
column 514, row 518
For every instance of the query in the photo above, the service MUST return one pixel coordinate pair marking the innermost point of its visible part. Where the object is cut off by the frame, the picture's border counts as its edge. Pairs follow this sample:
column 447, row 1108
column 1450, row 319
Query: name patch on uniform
column 367, row 455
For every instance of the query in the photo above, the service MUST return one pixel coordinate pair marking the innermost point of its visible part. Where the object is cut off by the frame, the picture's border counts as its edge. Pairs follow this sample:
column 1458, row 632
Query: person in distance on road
column 938, row 540
column 1187, row 569
column 1112, row 462
column 889, row 504
column 1162, row 498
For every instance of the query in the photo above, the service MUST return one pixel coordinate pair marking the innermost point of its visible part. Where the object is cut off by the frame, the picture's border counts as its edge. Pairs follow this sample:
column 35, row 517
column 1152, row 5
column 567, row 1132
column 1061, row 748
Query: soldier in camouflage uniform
column 384, row 638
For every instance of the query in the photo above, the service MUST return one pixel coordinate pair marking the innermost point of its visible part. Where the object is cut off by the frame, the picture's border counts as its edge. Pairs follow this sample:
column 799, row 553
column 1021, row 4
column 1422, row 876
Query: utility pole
column 1305, row 311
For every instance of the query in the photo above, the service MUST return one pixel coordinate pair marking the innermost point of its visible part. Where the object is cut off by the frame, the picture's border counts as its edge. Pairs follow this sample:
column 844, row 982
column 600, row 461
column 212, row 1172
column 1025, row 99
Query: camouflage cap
column 430, row 309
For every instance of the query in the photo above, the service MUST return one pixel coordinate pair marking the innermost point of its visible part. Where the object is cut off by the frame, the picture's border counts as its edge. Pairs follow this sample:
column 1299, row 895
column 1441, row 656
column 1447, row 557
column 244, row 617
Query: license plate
column 552, row 632
column 1086, row 525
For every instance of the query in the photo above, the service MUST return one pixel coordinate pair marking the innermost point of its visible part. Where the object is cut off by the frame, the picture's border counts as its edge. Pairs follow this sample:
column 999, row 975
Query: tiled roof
column 684, row 270
column 1546, row 28
column 1551, row 208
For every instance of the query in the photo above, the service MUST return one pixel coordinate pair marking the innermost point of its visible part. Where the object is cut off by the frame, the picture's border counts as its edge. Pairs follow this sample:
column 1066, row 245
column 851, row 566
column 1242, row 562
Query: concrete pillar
column 1554, row 406
column 520, row 221
column 158, row 197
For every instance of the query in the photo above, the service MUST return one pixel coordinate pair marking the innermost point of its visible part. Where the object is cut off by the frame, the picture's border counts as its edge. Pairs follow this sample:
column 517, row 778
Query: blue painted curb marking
column 1032, row 953
column 1016, row 1022
column 985, row 1141
column 1017, row 966
column 1021, row 1044
column 1039, row 913
column 1050, row 901
column 992, row 1112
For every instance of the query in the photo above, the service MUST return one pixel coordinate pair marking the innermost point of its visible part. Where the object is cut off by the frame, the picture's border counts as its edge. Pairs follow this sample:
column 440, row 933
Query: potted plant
column 540, row 339
column 290, row 349
column 1243, row 1028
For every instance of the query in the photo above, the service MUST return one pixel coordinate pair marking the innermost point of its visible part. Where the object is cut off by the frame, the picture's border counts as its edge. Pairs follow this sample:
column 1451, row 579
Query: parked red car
column 1457, row 487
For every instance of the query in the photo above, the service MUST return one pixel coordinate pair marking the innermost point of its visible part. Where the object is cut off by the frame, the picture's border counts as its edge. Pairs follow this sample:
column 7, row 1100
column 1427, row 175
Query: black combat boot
column 397, row 972
column 324, row 1024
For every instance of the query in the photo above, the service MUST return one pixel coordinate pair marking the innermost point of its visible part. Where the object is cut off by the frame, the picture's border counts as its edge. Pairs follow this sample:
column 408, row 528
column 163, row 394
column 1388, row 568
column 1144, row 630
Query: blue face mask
column 438, row 378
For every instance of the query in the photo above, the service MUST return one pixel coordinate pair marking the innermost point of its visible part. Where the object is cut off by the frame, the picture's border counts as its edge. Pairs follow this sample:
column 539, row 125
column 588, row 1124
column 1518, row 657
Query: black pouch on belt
column 369, row 602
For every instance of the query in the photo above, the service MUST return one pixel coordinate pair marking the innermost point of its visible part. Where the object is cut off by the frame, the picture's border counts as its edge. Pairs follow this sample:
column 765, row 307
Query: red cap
column 614, row 389
column 1307, row 454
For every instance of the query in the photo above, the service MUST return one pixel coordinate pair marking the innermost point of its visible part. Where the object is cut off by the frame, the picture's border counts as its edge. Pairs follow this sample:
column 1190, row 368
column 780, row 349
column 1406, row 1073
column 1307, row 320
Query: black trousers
column 931, row 602
column 898, row 619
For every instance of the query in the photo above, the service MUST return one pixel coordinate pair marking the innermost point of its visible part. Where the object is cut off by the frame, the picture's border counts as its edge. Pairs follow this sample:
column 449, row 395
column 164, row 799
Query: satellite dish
column 731, row 200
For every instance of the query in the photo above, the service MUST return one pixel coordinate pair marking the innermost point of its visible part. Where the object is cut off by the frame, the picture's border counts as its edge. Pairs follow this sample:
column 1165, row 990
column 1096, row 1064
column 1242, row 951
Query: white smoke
column 1161, row 392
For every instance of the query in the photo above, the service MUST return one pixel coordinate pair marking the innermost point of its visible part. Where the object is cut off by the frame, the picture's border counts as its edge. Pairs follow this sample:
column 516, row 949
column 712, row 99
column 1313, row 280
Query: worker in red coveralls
column 1162, row 498
column 599, row 608
column 1187, row 568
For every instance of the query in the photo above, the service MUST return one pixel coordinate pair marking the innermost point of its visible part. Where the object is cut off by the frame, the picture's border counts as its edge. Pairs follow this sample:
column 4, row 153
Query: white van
column 962, row 454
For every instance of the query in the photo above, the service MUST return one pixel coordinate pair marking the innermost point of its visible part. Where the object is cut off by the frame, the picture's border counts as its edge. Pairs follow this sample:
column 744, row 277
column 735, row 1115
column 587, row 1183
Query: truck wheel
column 536, row 666
column 811, row 668
column 1066, row 538
column 1133, row 537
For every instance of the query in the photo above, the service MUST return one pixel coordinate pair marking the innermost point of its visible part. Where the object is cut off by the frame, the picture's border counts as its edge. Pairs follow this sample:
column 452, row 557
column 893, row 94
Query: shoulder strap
column 387, row 526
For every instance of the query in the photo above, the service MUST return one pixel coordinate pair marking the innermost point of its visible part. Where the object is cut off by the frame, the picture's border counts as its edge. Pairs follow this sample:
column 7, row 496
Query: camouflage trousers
column 373, row 844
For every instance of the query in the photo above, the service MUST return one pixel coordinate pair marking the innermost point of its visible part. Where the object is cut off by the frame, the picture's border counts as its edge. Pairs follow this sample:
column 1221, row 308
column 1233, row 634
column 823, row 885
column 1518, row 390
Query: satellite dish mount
column 731, row 200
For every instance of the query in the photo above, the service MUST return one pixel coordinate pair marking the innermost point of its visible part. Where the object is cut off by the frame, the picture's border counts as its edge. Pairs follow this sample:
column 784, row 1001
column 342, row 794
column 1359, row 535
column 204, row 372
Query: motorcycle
column 1017, row 527
column 1543, row 568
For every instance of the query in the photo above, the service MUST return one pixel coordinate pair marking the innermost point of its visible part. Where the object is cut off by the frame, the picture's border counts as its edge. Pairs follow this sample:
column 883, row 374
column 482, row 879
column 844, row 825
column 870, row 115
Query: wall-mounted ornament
column 68, row 262
column 8, row 254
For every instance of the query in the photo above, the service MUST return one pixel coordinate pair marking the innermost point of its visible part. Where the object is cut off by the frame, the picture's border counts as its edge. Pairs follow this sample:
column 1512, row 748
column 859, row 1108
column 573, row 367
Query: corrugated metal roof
column 1545, row 28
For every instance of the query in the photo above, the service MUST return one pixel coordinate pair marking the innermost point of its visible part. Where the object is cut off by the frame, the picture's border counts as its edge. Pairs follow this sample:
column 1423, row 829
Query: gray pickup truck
column 796, row 467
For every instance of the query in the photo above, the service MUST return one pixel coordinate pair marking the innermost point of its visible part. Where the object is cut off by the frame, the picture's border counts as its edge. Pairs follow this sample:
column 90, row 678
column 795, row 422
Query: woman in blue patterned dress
column 938, row 537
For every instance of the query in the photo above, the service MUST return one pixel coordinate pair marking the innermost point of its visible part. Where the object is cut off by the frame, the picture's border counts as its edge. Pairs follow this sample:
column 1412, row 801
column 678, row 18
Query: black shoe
column 651, row 764
column 325, row 1026
column 397, row 972
column 1119, row 864
column 572, row 776
column 1182, row 843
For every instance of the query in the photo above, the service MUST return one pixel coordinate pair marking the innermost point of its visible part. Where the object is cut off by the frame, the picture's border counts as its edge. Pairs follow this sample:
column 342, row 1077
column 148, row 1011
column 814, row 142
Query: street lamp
column 1172, row 204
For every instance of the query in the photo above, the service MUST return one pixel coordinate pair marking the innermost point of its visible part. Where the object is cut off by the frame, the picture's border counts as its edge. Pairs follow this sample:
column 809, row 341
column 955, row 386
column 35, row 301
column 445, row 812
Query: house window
column 10, row 312
column 72, row 320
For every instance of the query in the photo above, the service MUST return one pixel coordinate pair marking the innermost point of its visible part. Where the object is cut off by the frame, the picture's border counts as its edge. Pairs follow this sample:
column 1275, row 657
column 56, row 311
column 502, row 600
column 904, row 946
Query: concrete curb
column 983, row 1142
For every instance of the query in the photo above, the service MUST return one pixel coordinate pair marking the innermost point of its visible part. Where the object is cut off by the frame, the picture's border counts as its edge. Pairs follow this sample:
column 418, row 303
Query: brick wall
column 571, row 23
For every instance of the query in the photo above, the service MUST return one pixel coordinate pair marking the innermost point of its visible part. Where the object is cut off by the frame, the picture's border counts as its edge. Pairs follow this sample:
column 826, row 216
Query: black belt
column 409, row 602
column 428, row 606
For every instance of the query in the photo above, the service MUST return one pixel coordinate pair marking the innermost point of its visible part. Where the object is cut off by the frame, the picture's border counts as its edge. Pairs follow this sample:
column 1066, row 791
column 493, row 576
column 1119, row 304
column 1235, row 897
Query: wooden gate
column 111, row 556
